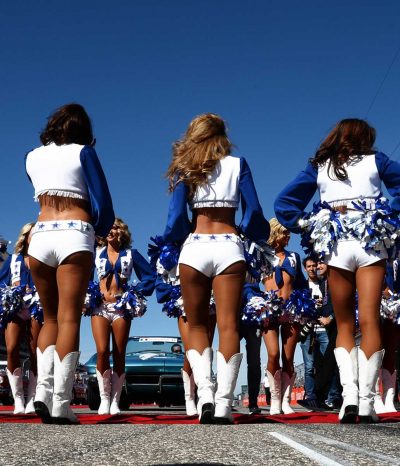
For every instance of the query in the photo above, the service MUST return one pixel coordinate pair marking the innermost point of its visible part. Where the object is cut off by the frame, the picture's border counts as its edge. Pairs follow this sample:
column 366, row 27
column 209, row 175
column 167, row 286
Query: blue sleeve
column 144, row 273
column 5, row 272
column 163, row 290
column 178, row 223
column 102, row 210
column 253, row 224
column 389, row 173
column 290, row 204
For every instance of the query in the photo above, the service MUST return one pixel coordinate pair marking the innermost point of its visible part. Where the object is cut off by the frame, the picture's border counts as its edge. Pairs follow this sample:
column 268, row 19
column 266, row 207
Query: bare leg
column 183, row 331
column 271, row 339
column 45, row 278
column 33, row 334
column 72, row 282
column 369, row 285
column 342, row 287
column 228, row 288
column 101, row 330
column 196, row 293
column 289, row 334
column 120, row 333
column 14, row 333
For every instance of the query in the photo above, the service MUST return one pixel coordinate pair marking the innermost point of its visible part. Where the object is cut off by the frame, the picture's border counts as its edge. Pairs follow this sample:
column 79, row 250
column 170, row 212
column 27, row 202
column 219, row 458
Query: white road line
column 315, row 456
column 352, row 448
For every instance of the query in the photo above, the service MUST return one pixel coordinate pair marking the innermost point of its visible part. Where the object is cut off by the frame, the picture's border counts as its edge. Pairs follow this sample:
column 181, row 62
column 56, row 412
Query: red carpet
column 132, row 418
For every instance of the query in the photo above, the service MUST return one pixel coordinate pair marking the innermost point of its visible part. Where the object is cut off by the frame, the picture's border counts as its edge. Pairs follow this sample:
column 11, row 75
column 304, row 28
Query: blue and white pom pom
column 93, row 298
column 321, row 228
column 164, row 259
column 174, row 306
column 260, row 258
column 32, row 300
column 11, row 302
column 300, row 307
column 133, row 303
column 390, row 308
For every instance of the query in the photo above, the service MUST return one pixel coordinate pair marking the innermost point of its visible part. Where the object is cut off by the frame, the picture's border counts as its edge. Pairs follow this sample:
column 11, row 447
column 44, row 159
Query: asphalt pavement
column 250, row 444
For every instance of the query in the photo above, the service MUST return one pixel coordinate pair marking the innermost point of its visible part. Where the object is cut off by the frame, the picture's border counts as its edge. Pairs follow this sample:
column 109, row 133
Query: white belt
column 62, row 225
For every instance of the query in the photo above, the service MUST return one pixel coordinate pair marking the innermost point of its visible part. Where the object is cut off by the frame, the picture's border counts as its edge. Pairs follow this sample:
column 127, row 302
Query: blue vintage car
column 153, row 373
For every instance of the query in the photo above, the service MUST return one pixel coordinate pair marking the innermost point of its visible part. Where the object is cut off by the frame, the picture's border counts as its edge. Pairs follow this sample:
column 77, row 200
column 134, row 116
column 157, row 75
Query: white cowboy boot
column 189, row 388
column 45, row 384
column 17, row 389
column 201, row 367
column 275, row 384
column 104, row 382
column 287, row 385
column 368, row 370
column 64, row 373
column 379, row 406
column 116, row 389
column 389, row 390
column 348, row 371
column 227, row 374
column 30, row 408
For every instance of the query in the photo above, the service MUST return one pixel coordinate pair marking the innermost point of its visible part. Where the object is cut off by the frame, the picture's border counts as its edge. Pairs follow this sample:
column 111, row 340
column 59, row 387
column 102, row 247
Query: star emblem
column 213, row 237
column 196, row 237
column 228, row 237
column 41, row 226
column 71, row 224
column 56, row 225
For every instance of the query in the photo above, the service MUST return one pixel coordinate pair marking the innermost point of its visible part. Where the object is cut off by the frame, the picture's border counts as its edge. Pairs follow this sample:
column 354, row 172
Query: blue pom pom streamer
column 11, row 302
column 93, row 298
column 133, row 303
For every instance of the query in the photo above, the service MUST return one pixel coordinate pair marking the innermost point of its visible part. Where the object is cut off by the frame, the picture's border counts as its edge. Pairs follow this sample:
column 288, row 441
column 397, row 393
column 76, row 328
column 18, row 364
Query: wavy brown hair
column 21, row 245
column 125, row 237
column 350, row 138
column 69, row 124
column 195, row 156
column 277, row 234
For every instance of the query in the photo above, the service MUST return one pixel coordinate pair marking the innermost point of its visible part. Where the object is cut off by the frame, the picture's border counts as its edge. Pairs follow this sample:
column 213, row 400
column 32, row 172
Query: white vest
column 222, row 187
column 57, row 171
column 363, row 182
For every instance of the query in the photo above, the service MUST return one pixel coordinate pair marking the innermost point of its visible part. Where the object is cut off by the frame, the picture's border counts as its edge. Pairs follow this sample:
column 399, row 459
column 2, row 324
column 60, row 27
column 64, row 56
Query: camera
column 305, row 331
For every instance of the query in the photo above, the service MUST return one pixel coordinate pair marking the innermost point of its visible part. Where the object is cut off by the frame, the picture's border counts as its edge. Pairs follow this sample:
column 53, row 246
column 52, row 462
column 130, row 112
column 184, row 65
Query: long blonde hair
column 125, row 237
column 195, row 156
column 277, row 233
column 21, row 245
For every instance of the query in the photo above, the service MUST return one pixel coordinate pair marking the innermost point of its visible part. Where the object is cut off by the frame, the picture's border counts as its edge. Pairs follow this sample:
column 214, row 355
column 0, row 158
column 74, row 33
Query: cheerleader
column 204, row 175
column 25, row 322
column 352, row 227
column 287, row 277
column 115, row 260
column 390, row 315
column 75, row 204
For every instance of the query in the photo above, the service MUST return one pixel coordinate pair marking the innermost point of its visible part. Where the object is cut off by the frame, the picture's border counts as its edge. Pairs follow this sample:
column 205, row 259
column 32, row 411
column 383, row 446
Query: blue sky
column 281, row 74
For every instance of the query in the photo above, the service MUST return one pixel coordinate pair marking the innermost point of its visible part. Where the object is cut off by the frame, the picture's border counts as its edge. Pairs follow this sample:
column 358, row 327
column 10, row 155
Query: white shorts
column 52, row 242
column 350, row 255
column 211, row 254
column 108, row 311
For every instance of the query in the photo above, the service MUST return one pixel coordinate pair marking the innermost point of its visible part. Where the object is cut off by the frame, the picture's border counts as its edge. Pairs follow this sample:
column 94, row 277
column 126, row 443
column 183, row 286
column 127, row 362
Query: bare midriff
column 63, row 208
column 270, row 282
column 109, row 288
column 214, row 220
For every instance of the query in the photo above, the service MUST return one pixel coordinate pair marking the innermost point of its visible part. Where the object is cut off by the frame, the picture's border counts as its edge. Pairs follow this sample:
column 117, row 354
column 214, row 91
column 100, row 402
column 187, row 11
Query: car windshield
column 154, row 345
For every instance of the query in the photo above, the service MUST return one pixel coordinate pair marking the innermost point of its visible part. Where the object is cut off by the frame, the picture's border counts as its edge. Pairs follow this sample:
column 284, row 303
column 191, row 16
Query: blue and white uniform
column 353, row 225
column 229, row 185
column 71, row 171
column 19, row 297
column 131, row 303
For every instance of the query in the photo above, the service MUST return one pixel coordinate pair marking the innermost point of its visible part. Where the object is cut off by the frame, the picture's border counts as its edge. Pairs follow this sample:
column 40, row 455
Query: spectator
column 317, row 344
